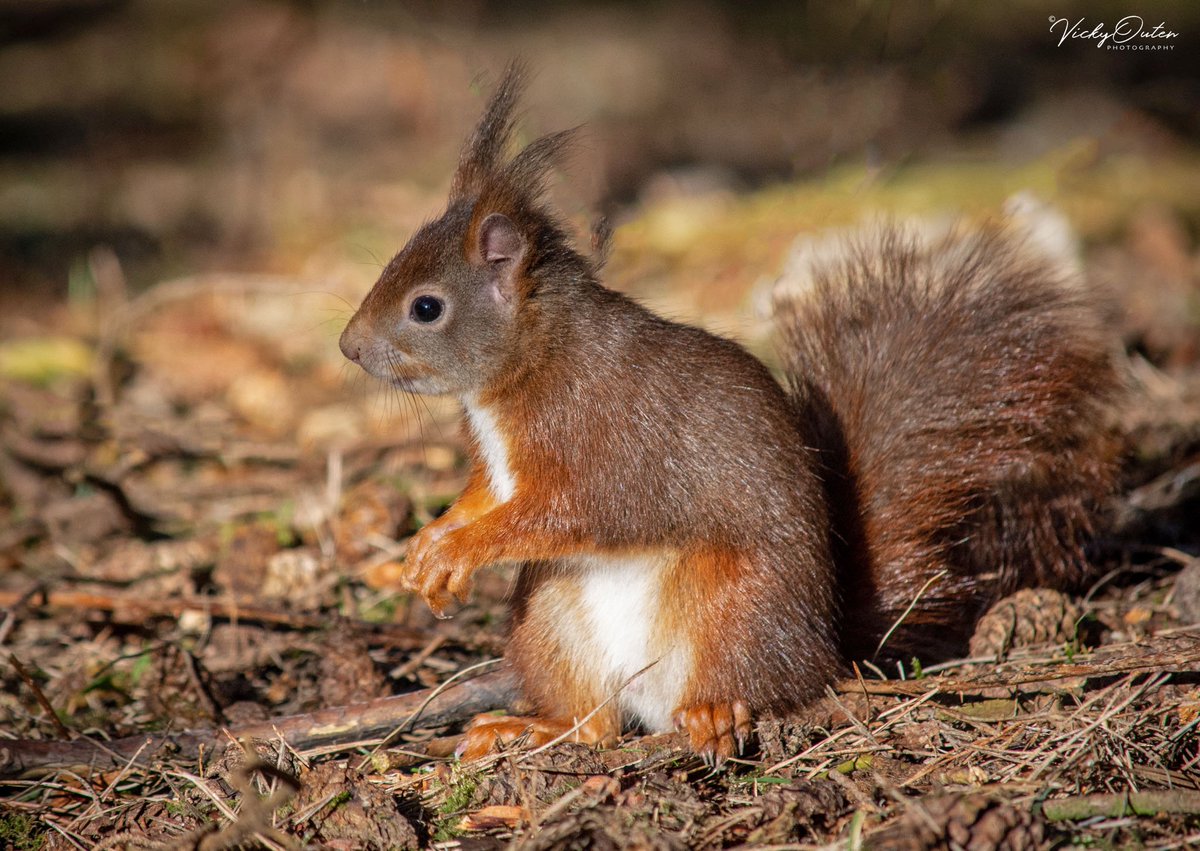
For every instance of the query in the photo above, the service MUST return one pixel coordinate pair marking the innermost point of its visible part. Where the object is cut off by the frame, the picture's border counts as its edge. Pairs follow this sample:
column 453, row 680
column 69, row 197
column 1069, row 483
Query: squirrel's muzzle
column 351, row 346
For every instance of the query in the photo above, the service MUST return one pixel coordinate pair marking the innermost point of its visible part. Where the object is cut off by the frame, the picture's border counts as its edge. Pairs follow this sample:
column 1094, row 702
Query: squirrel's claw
column 437, row 573
column 438, row 604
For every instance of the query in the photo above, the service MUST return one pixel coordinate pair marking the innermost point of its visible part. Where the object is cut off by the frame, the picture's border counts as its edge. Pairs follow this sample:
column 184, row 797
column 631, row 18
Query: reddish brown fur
column 957, row 389
column 633, row 441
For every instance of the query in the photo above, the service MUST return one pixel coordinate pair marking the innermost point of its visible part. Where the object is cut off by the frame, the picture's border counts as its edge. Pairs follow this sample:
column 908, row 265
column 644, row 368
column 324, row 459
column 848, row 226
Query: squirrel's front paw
column 438, row 571
column 715, row 729
column 428, row 536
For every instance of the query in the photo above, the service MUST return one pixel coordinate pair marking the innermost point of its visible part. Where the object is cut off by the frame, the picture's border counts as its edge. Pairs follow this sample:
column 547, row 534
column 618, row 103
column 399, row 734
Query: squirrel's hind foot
column 488, row 732
column 715, row 730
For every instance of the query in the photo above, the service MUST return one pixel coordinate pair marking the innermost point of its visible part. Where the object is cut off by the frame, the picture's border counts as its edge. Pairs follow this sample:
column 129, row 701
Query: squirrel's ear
column 502, row 247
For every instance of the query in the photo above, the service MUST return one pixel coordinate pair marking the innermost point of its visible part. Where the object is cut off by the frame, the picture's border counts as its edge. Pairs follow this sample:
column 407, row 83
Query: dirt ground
column 204, row 508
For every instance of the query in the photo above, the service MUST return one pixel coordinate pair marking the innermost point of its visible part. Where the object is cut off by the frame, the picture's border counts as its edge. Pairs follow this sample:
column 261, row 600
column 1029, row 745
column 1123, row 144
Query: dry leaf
column 1137, row 615
column 384, row 577
column 490, row 818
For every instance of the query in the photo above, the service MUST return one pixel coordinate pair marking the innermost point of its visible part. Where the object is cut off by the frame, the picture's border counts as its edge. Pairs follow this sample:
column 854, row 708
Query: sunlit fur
column 675, row 512
column 957, row 385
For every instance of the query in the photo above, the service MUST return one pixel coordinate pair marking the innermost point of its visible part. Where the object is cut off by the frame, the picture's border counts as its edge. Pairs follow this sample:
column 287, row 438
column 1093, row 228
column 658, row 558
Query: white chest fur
column 493, row 449
column 621, row 634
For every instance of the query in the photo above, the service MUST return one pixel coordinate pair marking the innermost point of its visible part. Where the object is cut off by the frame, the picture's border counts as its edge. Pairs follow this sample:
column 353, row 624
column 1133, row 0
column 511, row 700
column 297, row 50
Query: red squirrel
column 697, row 544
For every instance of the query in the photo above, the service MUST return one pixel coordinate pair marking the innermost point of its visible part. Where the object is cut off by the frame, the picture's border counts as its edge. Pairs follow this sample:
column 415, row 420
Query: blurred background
column 200, row 135
column 195, row 194
column 256, row 162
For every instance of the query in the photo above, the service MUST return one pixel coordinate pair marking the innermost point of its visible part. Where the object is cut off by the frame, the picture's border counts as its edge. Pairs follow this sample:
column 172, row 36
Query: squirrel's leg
column 516, row 530
column 724, row 601
column 475, row 501
column 714, row 714
column 560, row 678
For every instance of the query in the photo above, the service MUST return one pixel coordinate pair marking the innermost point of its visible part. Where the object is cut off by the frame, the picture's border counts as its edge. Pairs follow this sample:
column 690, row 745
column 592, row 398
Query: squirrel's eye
column 427, row 308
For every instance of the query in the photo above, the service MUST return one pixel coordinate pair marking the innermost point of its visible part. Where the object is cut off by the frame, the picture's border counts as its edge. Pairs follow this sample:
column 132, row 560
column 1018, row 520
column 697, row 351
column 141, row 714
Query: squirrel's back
column 955, row 386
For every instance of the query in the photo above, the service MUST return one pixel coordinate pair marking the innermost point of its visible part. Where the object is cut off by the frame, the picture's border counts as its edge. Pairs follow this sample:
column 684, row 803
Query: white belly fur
column 619, row 636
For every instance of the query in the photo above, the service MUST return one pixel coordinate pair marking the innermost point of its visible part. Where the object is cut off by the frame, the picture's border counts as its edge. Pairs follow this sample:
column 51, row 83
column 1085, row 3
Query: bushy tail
column 956, row 386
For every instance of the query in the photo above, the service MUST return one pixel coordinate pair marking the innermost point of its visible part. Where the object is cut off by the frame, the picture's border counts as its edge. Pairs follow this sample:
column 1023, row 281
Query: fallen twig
column 135, row 610
column 1122, row 804
column 39, row 696
column 357, row 724
column 1179, row 652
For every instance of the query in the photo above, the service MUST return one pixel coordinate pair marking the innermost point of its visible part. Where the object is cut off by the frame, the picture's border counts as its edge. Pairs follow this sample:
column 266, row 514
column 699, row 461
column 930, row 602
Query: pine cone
column 1028, row 617
column 970, row 822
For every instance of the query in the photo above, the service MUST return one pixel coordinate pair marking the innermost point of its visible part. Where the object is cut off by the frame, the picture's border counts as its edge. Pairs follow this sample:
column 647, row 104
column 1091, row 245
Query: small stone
column 291, row 573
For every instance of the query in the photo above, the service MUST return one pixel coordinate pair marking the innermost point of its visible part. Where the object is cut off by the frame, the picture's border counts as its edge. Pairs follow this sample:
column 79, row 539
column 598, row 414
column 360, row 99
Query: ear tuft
column 483, row 152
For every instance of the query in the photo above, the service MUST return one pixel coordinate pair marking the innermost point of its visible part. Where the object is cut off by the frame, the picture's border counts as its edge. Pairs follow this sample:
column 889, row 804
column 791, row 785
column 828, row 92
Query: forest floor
column 204, row 508
column 205, row 511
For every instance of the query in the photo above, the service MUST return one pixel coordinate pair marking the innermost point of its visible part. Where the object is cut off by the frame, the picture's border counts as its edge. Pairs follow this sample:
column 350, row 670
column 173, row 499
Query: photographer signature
column 1128, row 28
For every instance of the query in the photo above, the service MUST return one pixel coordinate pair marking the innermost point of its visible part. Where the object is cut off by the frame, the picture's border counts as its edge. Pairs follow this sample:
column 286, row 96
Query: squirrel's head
column 445, row 315
column 440, row 320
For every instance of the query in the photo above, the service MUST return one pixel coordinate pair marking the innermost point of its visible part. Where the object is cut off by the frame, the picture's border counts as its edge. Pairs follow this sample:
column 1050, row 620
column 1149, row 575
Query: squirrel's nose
column 350, row 345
